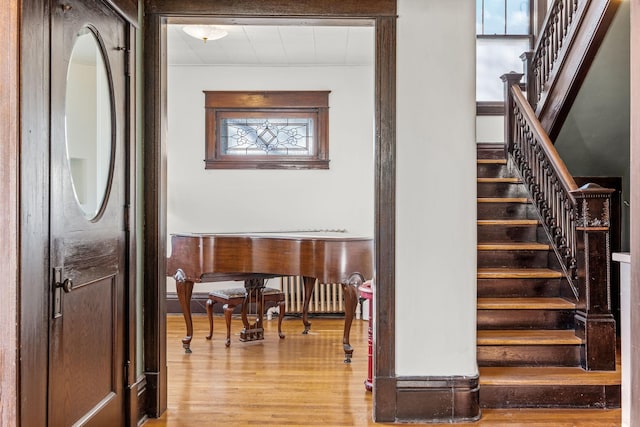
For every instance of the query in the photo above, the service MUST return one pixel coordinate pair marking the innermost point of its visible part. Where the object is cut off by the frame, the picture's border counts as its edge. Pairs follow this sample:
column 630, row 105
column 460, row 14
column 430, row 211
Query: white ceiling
column 274, row 46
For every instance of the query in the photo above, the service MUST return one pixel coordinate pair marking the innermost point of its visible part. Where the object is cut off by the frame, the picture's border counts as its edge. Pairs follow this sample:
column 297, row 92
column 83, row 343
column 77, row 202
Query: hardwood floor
column 298, row 381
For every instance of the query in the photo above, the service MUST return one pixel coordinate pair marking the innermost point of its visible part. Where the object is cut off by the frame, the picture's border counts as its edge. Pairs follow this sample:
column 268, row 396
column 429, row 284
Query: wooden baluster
column 509, row 79
column 594, row 322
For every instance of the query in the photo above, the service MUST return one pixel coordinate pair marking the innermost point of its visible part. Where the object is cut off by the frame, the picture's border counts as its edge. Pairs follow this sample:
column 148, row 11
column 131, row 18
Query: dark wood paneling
column 635, row 213
column 550, row 396
column 34, row 215
column 275, row 8
column 442, row 399
column 9, row 210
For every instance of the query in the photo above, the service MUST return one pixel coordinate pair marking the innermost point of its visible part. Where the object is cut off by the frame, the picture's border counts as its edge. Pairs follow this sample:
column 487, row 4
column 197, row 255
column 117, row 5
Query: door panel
column 88, row 95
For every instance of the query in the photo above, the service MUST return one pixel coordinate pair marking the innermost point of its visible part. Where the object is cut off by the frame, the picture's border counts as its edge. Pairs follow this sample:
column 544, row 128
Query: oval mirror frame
column 89, row 123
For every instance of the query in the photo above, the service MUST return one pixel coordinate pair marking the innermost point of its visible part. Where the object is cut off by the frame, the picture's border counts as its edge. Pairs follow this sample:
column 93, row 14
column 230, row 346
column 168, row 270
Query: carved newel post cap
column 511, row 77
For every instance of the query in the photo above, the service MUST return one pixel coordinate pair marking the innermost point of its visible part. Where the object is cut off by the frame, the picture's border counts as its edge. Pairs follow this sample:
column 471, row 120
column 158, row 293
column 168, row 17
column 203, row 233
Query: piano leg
column 350, row 290
column 184, row 290
column 309, row 283
column 350, row 302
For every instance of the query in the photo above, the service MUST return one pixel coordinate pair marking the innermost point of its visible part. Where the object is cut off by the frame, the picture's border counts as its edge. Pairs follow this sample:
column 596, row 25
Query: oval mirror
column 88, row 123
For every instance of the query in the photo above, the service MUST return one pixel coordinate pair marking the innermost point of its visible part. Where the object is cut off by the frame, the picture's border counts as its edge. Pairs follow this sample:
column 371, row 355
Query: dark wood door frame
column 382, row 15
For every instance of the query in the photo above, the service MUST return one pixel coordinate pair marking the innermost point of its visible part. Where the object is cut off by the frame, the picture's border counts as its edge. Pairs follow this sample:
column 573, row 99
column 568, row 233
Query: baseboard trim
column 138, row 396
column 198, row 303
column 443, row 399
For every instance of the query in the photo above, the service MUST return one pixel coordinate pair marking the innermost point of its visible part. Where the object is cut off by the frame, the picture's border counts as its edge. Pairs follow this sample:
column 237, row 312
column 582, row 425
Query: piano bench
column 230, row 298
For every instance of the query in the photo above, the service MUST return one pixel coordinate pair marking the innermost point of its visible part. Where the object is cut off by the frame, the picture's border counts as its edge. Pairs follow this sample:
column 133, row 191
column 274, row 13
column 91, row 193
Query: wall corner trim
column 444, row 399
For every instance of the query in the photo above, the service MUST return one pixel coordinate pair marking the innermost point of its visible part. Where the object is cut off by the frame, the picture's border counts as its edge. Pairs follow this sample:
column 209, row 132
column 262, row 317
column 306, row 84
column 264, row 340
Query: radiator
column 326, row 298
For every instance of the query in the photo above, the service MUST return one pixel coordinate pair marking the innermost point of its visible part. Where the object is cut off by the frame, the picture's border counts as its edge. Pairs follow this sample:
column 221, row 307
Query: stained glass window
column 267, row 130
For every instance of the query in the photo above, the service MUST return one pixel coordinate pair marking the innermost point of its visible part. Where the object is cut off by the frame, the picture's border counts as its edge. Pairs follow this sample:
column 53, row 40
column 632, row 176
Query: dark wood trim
column 635, row 212
column 489, row 108
column 9, row 210
column 384, row 12
column 136, row 393
column 127, row 8
column 385, row 220
column 437, row 399
column 131, row 299
column 274, row 8
column 155, row 194
column 34, row 212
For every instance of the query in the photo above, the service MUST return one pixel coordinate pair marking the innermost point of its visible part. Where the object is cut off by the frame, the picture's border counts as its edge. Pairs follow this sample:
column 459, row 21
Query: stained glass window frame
column 276, row 110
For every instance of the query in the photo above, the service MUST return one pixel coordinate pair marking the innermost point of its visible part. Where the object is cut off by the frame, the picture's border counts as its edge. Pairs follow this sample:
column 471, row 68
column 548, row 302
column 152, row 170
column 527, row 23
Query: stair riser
column 506, row 210
column 501, row 189
column 514, row 259
column 494, row 170
column 525, row 319
column 504, row 233
column 528, row 355
column 496, row 288
column 549, row 396
column 491, row 151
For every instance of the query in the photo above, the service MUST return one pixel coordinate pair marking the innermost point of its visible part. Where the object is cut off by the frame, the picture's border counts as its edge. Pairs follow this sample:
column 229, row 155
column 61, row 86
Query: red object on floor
column 366, row 292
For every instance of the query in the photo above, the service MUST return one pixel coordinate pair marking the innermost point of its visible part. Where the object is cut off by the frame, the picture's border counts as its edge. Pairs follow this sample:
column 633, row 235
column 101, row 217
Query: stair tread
column 528, row 337
column 511, row 273
column 551, row 375
column 551, row 303
column 512, row 180
column 513, row 246
column 508, row 222
column 503, row 200
column 492, row 161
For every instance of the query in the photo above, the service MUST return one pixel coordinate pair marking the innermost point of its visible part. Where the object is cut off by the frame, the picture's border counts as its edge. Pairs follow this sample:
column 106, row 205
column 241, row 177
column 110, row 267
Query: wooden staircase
column 528, row 351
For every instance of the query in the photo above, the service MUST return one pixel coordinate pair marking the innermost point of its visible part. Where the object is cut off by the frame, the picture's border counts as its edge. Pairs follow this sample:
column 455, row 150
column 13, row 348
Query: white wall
column 202, row 200
column 436, row 189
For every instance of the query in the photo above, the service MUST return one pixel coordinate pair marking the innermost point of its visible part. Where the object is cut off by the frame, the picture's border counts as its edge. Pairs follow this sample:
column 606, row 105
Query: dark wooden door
column 88, row 199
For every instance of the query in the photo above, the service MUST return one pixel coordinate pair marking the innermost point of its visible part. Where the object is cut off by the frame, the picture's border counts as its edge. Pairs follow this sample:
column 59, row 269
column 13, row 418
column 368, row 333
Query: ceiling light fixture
column 204, row 32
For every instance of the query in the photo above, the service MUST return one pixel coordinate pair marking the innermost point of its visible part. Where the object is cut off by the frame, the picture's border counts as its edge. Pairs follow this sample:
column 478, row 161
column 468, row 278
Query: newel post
column 509, row 79
column 527, row 65
column 594, row 322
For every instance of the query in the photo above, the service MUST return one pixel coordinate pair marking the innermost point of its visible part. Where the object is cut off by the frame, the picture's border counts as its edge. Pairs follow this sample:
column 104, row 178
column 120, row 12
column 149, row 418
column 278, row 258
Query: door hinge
column 127, row 60
column 127, row 365
column 126, row 220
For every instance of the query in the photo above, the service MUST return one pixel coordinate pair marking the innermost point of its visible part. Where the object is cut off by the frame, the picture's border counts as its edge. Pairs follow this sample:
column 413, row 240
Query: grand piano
column 330, row 257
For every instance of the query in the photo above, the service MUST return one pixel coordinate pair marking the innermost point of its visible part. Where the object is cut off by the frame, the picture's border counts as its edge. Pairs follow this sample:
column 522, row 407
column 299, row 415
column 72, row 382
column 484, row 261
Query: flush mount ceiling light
column 204, row 32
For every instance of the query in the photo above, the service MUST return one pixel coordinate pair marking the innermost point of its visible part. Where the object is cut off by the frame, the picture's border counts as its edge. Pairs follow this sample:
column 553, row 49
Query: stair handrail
column 567, row 25
column 556, row 30
column 544, row 174
column 576, row 221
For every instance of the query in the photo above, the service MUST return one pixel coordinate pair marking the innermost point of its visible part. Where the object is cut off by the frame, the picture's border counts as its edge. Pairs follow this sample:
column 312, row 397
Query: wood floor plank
column 528, row 337
column 514, row 246
column 503, row 200
column 508, row 180
column 299, row 381
column 514, row 273
column 530, row 303
column 492, row 161
column 512, row 222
